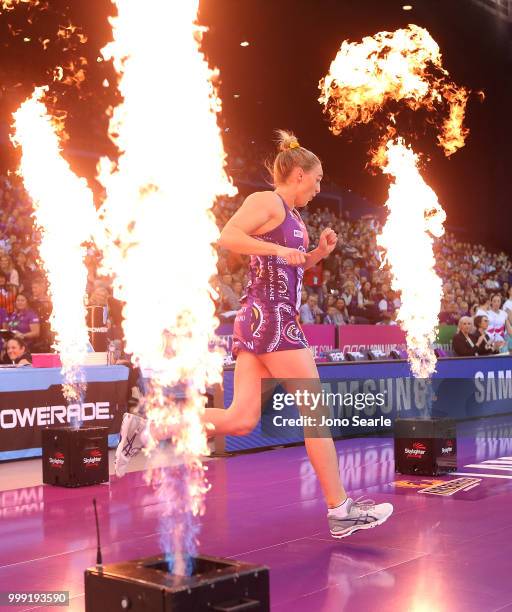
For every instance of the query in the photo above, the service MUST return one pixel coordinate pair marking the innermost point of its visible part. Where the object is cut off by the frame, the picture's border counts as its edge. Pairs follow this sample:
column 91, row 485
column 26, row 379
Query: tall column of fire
column 372, row 81
column 160, row 233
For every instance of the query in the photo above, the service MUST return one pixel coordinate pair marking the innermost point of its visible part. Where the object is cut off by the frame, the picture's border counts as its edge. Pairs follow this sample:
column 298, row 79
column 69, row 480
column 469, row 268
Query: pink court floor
column 437, row 553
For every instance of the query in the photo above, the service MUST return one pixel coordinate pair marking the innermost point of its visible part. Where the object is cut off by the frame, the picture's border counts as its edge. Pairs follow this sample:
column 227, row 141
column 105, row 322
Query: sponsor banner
column 321, row 338
column 24, row 414
column 361, row 338
column 461, row 389
column 445, row 334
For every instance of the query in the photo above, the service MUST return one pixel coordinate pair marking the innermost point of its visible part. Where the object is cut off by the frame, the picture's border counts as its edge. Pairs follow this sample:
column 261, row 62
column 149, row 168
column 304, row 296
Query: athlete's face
column 308, row 185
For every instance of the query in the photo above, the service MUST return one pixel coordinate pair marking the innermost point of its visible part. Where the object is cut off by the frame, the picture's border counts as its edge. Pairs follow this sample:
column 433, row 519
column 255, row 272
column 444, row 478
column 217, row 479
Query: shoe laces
column 364, row 504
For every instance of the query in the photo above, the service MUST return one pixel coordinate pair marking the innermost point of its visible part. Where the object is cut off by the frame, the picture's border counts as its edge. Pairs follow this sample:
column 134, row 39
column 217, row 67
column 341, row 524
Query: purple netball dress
column 269, row 318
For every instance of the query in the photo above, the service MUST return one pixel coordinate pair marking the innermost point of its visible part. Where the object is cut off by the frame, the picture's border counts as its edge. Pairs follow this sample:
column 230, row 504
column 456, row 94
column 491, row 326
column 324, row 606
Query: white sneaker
column 131, row 443
column 361, row 514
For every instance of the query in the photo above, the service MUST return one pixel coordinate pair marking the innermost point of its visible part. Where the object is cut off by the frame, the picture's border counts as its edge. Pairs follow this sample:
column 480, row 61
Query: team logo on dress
column 257, row 320
column 293, row 333
column 298, row 234
column 282, row 281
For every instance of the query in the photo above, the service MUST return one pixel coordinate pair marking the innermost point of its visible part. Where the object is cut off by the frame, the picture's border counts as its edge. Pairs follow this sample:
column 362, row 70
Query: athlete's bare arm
column 260, row 212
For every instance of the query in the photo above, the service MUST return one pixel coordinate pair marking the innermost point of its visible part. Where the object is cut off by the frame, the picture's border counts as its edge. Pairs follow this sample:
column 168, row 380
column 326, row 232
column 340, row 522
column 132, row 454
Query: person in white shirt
column 497, row 320
column 484, row 305
column 507, row 306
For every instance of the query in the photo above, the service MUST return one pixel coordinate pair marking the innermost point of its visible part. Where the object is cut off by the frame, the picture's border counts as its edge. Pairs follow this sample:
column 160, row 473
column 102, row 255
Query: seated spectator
column 42, row 306
column 330, row 300
column 303, row 296
column 3, row 319
column 112, row 310
column 238, row 289
column 463, row 343
column 329, row 284
column 464, row 309
column 497, row 320
column 450, row 314
column 484, row 304
column 341, row 308
column 16, row 353
column 508, row 335
column 310, row 312
column 229, row 300
column 349, row 294
column 482, row 340
column 23, row 322
column 11, row 274
column 333, row 317
column 388, row 302
column 25, row 271
column 313, row 277
column 7, row 294
column 387, row 318
column 507, row 306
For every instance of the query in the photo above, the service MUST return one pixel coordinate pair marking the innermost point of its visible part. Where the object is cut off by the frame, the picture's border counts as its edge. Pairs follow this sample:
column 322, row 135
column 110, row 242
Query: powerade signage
column 42, row 416
column 24, row 414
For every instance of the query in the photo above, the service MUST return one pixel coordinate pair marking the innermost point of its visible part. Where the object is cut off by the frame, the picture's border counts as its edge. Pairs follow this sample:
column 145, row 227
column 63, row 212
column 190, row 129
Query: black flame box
column 146, row 585
column 74, row 457
column 425, row 447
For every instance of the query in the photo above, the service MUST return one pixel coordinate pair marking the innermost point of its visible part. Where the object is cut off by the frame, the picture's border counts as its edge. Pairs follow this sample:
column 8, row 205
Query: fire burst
column 402, row 67
column 64, row 210
column 157, row 214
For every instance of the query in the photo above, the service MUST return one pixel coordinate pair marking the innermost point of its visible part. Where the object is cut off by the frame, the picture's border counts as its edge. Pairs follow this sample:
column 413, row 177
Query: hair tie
column 294, row 145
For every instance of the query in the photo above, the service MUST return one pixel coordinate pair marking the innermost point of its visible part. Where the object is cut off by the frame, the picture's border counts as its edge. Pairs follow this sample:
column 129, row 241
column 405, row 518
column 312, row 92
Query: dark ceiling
column 292, row 43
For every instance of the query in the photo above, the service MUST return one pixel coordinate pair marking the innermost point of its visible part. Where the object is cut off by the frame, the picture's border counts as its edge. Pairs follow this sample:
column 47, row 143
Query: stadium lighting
column 244, row 44
column 407, row 7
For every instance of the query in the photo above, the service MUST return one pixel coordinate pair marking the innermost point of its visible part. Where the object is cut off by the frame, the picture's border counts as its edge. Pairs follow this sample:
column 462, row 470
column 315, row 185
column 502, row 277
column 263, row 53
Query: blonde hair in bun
column 290, row 155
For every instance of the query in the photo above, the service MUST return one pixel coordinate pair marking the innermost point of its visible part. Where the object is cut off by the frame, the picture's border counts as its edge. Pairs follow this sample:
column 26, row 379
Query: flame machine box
column 146, row 585
column 425, row 446
column 74, row 457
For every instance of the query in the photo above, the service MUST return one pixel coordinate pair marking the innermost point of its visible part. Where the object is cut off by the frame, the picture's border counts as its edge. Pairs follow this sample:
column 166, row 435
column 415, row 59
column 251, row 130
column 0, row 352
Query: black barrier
column 23, row 414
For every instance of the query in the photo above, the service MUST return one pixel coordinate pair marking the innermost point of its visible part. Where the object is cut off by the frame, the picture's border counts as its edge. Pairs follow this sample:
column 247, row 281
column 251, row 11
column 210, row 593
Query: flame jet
column 65, row 213
column 160, row 231
column 372, row 79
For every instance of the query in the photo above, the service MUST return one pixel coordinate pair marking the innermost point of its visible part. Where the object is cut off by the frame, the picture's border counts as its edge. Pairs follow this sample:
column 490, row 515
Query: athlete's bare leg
column 244, row 412
column 299, row 364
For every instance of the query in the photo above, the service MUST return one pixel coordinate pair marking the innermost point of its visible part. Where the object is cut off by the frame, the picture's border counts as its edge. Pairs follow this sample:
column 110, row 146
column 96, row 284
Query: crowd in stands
column 25, row 306
column 351, row 286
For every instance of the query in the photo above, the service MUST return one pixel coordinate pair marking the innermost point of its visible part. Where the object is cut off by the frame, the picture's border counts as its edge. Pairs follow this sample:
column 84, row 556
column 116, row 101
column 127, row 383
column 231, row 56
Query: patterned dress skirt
column 263, row 329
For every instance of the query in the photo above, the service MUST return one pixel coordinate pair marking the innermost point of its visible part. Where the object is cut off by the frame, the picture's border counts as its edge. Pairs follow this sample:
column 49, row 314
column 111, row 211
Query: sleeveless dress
column 268, row 320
